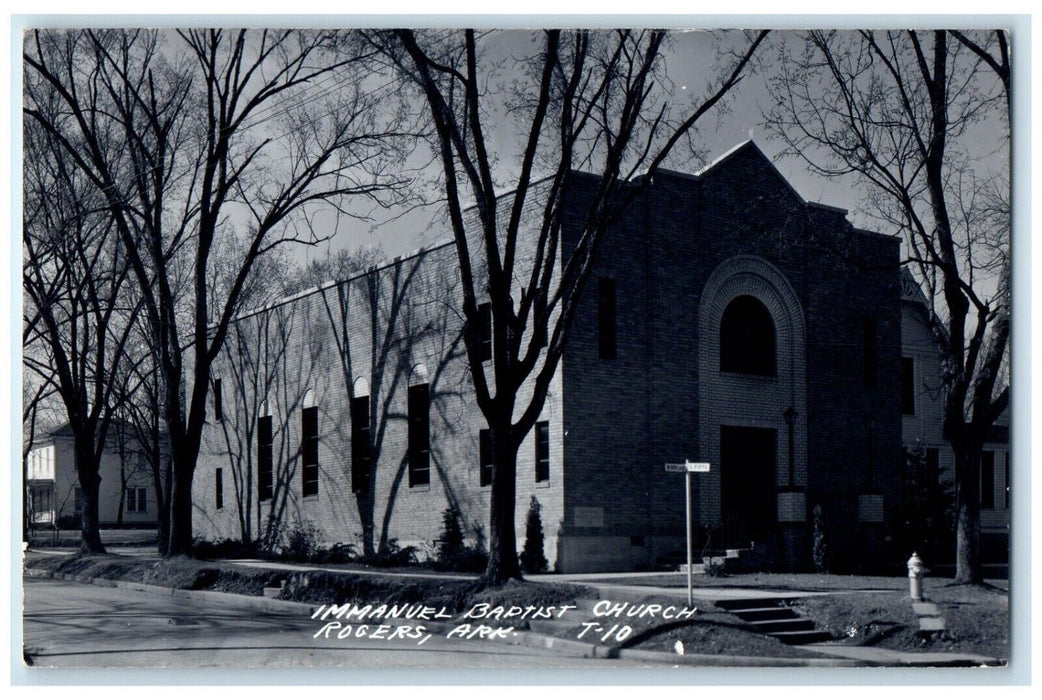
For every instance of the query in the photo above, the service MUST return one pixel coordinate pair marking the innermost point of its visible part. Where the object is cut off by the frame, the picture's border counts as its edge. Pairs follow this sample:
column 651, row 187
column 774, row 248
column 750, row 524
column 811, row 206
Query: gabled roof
column 750, row 149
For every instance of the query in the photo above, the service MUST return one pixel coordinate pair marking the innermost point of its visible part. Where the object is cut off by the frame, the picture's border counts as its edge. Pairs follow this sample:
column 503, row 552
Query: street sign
column 688, row 467
column 700, row 467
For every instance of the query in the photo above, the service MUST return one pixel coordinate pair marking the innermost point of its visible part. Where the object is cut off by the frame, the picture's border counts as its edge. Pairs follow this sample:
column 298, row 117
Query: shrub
column 339, row 553
column 300, row 544
column 450, row 544
column 924, row 517
column 452, row 552
column 391, row 555
column 820, row 551
column 533, row 560
column 225, row 549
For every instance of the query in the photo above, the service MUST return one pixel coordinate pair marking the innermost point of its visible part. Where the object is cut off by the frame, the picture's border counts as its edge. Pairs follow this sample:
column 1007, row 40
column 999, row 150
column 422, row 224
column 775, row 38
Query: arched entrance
column 752, row 382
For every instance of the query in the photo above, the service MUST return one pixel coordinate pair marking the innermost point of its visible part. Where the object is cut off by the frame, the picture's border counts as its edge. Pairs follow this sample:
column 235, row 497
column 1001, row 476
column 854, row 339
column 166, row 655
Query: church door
column 748, row 459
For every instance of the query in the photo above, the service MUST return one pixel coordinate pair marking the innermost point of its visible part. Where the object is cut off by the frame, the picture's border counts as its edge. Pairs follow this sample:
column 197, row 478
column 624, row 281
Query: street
column 76, row 625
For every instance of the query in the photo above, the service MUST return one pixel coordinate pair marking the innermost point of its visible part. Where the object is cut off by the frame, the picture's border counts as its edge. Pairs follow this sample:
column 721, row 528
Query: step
column 696, row 569
column 759, row 614
column 798, row 624
column 802, row 637
column 740, row 603
column 931, row 624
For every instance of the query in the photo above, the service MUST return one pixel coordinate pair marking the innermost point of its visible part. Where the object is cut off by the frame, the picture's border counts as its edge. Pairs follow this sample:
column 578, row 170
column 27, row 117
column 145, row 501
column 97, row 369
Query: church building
column 727, row 321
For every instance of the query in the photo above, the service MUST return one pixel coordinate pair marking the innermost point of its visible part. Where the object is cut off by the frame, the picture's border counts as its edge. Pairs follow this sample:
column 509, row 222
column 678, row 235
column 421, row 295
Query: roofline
column 282, row 301
column 696, row 176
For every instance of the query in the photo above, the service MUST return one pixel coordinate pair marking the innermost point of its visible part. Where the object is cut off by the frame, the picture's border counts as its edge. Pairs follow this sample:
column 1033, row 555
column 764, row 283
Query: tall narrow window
column 486, row 457
column 419, row 436
column 606, row 320
column 542, row 451
column 871, row 351
column 908, row 386
column 483, row 333
column 218, row 405
column 136, row 500
column 309, row 450
column 218, row 488
column 361, row 447
column 265, row 466
column 987, row 479
column 747, row 338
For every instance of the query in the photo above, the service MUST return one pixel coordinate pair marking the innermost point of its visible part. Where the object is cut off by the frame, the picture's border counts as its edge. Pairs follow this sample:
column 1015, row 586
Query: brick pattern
column 663, row 399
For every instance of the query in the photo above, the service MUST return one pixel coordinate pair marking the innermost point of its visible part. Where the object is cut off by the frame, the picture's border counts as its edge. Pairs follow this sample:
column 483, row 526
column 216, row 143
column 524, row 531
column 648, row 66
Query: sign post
column 688, row 468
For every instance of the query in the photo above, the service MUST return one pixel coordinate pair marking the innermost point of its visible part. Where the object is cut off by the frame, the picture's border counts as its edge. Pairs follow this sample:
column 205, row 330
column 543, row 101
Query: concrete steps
column 774, row 618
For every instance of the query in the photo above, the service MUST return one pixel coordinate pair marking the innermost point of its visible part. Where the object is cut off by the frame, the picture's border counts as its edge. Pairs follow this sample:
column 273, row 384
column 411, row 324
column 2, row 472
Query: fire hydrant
column 915, row 577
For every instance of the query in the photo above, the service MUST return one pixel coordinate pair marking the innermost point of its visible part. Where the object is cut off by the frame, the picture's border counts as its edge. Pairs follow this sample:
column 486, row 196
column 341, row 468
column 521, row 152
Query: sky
column 691, row 63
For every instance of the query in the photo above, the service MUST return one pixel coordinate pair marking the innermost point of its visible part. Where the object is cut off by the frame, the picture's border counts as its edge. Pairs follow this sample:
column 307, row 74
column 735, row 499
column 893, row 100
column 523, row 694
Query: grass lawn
column 977, row 619
column 320, row 587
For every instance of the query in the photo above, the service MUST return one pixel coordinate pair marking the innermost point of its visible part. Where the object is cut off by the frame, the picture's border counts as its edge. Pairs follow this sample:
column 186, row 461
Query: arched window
column 747, row 339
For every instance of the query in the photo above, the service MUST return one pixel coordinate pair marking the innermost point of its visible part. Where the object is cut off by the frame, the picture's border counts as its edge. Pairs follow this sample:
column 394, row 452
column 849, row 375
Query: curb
column 738, row 661
column 255, row 602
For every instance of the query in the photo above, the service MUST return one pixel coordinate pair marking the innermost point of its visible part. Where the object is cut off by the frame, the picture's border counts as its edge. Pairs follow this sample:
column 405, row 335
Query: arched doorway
column 752, row 383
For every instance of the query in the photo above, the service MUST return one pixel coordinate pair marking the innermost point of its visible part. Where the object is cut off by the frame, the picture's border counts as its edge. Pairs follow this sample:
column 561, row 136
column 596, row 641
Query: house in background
column 127, row 498
column 922, row 416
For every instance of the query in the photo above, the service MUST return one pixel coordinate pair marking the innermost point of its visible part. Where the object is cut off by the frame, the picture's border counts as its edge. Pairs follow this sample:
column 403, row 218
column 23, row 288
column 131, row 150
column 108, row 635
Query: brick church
column 728, row 321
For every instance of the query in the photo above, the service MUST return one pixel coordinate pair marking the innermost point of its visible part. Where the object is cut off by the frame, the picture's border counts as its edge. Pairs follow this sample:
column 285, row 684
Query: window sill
column 744, row 375
column 420, row 488
column 542, row 484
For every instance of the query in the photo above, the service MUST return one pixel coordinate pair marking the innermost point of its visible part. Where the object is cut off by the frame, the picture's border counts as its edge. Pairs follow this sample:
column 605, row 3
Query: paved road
column 70, row 624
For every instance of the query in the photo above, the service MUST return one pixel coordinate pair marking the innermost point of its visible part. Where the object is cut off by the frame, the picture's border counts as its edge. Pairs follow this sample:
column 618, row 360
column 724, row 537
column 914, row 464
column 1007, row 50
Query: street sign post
column 688, row 468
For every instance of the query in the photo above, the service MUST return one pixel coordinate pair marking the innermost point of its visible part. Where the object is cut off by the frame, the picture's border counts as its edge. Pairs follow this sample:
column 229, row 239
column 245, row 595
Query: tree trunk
column 503, row 563
column 180, row 535
column 162, row 500
column 967, row 523
column 90, row 483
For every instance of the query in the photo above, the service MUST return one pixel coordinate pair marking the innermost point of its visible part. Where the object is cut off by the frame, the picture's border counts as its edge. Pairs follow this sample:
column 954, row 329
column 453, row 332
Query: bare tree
column 916, row 119
column 251, row 132
column 79, row 315
column 584, row 100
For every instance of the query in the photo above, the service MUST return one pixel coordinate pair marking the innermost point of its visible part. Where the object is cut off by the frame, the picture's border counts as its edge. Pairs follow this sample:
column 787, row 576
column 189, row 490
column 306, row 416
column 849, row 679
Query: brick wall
column 739, row 229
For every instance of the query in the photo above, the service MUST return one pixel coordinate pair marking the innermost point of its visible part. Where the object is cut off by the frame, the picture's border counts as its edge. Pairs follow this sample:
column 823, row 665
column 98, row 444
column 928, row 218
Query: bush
column 450, row 544
column 820, row 551
column 924, row 518
column 452, row 553
column 391, row 555
column 300, row 544
column 533, row 560
column 225, row 549
column 339, row 553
